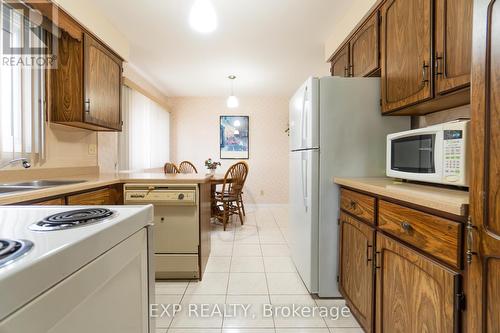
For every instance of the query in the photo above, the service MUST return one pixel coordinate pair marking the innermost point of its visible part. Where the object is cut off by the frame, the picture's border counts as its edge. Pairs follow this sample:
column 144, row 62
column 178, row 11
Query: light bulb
column 203, row 17
column 232, row 102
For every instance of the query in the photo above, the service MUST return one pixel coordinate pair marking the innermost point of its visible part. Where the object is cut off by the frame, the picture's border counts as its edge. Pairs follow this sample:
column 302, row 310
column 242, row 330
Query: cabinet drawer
column 432, row 234
column 360, row 205
column 52, row 202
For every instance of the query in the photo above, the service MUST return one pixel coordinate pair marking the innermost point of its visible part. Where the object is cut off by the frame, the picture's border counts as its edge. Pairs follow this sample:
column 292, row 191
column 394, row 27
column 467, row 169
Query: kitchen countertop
column 94, row 181
column 443, row 199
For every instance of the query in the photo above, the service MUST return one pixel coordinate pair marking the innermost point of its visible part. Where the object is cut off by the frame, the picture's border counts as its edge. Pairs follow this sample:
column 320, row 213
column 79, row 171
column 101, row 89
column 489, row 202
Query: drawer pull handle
column 353, row 204
column 406, row 226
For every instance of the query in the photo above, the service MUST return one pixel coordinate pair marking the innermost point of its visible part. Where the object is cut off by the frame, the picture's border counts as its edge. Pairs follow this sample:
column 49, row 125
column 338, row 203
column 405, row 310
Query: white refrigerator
column 336, row 130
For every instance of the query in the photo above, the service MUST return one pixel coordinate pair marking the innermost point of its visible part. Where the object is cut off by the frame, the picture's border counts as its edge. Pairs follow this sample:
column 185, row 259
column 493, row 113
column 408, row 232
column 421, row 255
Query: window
column 21, row 94
column 145, row 139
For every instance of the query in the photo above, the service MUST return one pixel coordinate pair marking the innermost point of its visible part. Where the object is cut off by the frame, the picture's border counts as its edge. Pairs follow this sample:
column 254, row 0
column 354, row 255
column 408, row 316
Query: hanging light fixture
column 232, row 101
column 202, row 17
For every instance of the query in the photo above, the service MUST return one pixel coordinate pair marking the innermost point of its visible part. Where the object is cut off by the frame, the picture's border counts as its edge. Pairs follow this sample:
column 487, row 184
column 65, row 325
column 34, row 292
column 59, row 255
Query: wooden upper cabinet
column 85, row 88
column 406, row 45
column 483, row 230
column 103, row 80
column 356, row 280
column 453, row 38
column 364, row 49
column 340, row 62
column 414, row 294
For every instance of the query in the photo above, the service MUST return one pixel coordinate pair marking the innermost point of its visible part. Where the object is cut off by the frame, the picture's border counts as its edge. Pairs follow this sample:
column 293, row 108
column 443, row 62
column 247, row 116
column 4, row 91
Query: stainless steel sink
column 11, row 189
column 46, row 183
column 35, row 185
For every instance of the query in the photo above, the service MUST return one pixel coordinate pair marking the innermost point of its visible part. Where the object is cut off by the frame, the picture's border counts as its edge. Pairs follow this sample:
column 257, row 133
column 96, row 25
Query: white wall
column 195, row 137
column 344, row 26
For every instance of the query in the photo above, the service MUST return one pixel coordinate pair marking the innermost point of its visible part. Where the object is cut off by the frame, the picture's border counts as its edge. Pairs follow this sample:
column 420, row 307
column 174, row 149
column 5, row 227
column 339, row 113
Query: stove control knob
column 181, row 196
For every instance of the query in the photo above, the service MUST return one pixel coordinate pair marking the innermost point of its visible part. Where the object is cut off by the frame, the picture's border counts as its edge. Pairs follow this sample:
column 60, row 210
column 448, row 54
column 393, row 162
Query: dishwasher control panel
column 161, row 195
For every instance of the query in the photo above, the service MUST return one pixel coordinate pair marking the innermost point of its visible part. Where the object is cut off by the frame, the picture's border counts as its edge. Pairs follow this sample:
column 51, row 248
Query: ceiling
column 272, row 46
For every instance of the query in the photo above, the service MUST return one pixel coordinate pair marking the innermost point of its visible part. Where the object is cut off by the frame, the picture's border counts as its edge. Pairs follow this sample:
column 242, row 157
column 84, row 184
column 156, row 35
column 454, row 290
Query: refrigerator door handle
column 304, row 180
column 303, row 119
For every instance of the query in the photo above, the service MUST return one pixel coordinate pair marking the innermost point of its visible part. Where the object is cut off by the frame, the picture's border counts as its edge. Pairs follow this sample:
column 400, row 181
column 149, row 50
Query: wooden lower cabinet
column 105, row 196
column 356, row 268
column 52, row 202
column 414, row 294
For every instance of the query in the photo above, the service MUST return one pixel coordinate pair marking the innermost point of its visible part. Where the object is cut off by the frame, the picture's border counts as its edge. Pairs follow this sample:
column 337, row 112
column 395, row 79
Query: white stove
column 76, row 269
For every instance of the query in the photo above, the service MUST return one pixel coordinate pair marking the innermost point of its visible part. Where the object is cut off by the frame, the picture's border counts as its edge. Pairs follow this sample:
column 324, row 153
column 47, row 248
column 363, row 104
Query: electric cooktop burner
column 72, row 219
column 11, row 250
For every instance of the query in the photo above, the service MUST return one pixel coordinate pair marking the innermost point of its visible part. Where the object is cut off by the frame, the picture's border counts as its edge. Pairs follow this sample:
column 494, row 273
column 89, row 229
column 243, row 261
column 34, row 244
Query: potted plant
column 211, row 166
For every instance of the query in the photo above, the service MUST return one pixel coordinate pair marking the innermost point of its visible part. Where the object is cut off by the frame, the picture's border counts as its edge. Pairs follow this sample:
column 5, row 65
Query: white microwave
column 436, row 154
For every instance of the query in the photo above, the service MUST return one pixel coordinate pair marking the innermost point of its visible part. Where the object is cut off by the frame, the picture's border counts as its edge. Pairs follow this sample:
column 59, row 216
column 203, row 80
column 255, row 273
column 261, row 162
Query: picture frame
column 234, row 136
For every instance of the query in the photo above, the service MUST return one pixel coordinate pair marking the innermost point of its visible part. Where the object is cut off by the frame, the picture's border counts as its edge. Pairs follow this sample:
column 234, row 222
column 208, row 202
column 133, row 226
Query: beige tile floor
column 249, row 265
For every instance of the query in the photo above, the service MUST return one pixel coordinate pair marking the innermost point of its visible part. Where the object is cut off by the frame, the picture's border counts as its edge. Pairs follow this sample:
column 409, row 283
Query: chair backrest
column 235, row 178
column 170, row 168
column 187, row 167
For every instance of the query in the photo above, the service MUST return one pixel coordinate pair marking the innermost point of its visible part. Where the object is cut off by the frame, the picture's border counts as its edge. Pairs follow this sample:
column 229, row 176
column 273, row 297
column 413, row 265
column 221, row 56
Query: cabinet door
column 103, row 78
column 95, row 198
column 340, row 63
column 406, row 45
column 453, row 44
column 356, row 268
column 414, row 294
column 483, row 241
column 364, row 49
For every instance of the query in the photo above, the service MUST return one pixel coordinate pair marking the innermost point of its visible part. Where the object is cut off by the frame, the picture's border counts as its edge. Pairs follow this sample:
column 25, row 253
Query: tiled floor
column 250, row 266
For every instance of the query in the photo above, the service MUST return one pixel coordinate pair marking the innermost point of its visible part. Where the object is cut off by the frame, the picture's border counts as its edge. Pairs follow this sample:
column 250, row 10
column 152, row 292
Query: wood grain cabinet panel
column 414, row 294
column 453, row 38
column 356, row 280
column 52, row 202
column 437, row 236
column 483, row 230
column 360, row 205
column 364, row 49
column 406, row 44
column 95, row 198
column 340, row 62
column 103, row 79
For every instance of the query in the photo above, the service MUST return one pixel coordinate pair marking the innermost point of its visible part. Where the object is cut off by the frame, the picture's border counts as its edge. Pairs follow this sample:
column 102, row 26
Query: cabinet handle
column 368, row 247
column 470, row 240
column 406, row 226
column 377, row 266
column 346, row 71
column 351, row 70
column 353, row 204
column 437, row 65
column 425, row 79
column 87, row 105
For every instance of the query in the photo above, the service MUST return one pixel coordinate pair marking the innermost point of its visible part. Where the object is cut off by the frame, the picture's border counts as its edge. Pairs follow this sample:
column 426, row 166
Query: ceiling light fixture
column 202, row 17
column 232, row 101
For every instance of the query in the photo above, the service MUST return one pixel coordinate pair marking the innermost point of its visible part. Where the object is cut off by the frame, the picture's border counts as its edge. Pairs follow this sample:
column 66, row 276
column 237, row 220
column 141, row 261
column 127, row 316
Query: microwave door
column 414, row 154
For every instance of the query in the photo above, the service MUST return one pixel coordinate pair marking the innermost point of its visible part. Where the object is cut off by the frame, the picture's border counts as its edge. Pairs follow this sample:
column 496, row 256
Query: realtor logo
column 29, row 37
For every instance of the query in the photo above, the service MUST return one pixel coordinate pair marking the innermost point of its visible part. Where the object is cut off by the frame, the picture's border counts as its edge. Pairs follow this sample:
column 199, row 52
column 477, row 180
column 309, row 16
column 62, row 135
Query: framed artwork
column 234, row 137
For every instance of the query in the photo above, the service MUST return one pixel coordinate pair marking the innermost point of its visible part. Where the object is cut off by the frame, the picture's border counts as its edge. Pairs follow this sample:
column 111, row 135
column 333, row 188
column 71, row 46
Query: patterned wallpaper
column 195, row 137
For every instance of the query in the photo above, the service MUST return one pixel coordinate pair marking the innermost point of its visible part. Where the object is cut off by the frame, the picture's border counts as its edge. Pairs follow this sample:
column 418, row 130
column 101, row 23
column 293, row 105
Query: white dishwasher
column 176, row 226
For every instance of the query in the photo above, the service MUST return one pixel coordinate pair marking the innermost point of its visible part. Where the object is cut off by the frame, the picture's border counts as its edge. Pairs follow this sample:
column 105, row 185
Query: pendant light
column 232, row 101
column 202, row 17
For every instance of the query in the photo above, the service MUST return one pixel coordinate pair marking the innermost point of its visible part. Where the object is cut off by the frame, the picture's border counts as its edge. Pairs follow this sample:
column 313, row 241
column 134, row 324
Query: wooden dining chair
column 187, row 167
column 170, row 168
column 227, row 201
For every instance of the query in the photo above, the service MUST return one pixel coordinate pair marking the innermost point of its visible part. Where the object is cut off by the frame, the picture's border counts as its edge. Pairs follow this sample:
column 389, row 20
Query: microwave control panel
column 454, row 155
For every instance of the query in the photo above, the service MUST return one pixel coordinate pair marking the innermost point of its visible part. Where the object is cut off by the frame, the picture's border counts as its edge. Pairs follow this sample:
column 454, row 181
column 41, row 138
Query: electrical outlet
column 261, row 192
column 92, row 149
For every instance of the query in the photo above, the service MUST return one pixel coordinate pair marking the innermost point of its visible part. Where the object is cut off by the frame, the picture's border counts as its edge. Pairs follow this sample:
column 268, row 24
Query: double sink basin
column 35, row 185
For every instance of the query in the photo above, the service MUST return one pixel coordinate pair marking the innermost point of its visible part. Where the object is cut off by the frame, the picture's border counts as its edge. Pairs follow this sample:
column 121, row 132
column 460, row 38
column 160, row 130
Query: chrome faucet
column 24, row 161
